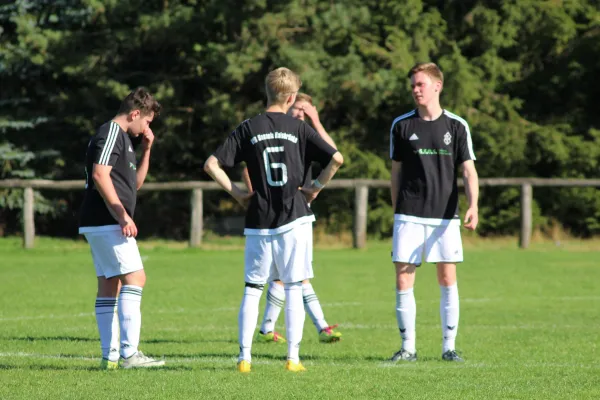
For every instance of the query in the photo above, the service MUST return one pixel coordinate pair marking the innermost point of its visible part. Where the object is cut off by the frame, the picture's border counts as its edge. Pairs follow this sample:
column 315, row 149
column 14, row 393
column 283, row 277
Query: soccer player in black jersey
column 428, row 146
column 113, row 177
column 278, row 150
column 303, row 107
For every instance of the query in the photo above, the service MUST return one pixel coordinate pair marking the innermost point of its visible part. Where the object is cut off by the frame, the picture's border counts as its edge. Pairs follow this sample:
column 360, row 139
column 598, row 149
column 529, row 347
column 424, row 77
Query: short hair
column 429, row 68
column 140, row 99
column 280, row 83
column 304, row 97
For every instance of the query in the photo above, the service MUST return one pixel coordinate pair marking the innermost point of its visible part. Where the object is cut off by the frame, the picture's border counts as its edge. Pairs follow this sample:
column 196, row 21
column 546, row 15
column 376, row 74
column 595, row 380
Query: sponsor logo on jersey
column 432, row 152
column 413, row 137
column 447, row 138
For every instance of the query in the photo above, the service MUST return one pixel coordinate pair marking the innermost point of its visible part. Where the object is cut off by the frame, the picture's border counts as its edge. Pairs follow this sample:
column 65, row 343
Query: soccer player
column 113, row 178
column 276, row 295
column 427, row 147
column 277, row 150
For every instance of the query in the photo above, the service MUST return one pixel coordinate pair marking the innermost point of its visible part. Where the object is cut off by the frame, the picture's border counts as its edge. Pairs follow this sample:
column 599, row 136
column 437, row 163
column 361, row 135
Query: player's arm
column 324, row 177
column 214, row 169
column 313, row 114
column 246, row 179
column 144, row 164
column 104, row 185
column 471, row 180
column 396, row 173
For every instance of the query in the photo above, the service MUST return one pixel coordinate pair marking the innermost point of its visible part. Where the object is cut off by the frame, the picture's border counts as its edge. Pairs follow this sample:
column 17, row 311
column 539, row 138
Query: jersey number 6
column 274, row 165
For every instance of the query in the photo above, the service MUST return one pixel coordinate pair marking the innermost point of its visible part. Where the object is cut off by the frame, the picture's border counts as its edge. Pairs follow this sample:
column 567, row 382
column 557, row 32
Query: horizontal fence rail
column 361, row 198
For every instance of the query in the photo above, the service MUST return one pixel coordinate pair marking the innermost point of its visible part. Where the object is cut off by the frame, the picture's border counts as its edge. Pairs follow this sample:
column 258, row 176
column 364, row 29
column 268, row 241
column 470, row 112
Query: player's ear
column 135, row 114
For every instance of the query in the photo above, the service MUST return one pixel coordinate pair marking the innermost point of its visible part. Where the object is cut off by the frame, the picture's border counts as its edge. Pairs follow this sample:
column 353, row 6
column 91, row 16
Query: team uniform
column 426, row 212
column 113, row 253
column 277, row 150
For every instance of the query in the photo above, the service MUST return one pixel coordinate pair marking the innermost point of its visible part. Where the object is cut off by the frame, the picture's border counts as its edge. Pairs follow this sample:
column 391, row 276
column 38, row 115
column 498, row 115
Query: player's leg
column 108, row 320
column 275, row 301
column 327, row 334
column 293, row 256
column 126, row 266
column 445, row 248
column 258, row 259
column 106, row 301
column 408, row 244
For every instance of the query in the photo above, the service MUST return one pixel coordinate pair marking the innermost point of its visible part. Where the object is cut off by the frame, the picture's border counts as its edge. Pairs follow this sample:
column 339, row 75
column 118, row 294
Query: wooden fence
column 361, row 196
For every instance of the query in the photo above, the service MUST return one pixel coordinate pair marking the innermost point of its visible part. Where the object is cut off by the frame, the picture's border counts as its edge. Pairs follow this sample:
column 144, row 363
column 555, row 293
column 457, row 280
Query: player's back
column 278, row 150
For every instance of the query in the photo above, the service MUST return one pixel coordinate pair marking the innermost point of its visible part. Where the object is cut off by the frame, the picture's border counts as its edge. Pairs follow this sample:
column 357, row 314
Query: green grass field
column 529, row 329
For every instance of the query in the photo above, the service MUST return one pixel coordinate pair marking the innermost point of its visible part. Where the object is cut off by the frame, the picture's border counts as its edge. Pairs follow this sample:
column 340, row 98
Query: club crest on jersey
column 447, row 138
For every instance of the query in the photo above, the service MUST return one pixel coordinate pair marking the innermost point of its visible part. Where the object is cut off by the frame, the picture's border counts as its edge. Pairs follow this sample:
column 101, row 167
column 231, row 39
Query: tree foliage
column 520, row 72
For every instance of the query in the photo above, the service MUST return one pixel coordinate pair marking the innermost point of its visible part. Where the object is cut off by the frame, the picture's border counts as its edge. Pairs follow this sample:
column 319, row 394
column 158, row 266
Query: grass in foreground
column 529, row 327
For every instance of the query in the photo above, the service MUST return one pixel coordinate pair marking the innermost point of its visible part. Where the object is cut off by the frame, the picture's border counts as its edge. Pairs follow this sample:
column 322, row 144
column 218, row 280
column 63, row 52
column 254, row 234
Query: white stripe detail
column 101, row 228
column 466, row 125
column 109, row 144
column 426, row 221
column 284, row 228
column 400, row 118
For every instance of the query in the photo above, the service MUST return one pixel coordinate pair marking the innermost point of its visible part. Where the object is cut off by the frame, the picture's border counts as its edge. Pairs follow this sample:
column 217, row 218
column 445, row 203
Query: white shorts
column 439, row 243
column 113, row 253
column 286, row 256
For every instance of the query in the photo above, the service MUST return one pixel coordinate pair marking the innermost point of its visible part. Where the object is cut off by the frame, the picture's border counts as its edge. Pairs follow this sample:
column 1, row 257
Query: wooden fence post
column 196, row 223
column 28, row 218
column 526, row 214
column 361, row 200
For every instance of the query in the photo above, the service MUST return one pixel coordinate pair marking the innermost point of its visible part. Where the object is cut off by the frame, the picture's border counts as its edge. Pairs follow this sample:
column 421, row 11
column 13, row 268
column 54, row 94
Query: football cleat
column 403, row 355
column 294, row 366
column 107, row 364
column 139, row 360
column 329, row 335
column 244, row 366
column 451, row 355
column 270, row 337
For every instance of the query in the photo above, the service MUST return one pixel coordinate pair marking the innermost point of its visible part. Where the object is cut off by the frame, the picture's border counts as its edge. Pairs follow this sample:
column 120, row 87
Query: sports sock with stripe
column 248, row 318
column 108, row 327
column 313, row 307
column 130, row 318
column 275, row 301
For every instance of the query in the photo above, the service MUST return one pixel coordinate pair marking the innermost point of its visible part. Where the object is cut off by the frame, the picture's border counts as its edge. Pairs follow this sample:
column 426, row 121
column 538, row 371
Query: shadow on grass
column 88, row 339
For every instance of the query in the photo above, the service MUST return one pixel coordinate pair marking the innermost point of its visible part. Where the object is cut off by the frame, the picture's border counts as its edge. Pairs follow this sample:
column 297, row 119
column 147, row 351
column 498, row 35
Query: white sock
column 247, row 320
column 130, row 318
column 449, row 314
column 108, row 327
column 294, row 319
column 275, row 301
column 313, row 307
column 406, row 314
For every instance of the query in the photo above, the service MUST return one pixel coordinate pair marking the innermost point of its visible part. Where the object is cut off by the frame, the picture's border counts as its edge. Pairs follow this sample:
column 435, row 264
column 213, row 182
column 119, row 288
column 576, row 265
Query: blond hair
column 304, row 97
column 429, row 68
column 281, row 83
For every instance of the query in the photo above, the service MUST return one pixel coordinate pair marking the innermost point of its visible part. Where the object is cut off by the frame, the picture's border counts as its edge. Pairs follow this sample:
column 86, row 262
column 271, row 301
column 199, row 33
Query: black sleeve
column 464, row 143
column 395, row 143
column 230, row 152
column 317, row 149
column 107, row 145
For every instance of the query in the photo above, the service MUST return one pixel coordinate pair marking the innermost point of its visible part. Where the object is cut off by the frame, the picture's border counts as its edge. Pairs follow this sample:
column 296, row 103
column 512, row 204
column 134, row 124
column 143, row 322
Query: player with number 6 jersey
column 278, row 150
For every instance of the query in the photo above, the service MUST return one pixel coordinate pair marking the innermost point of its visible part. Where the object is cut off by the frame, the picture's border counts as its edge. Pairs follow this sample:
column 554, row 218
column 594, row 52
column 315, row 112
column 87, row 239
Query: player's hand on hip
column 128, row 227
column 147, row 138
column 471, row 219
column 244, row 199
column 310, row 193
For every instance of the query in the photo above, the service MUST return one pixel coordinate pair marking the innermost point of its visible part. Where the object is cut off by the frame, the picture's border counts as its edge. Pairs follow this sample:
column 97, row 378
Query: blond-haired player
column 428, row 147
column 303, row 107
column 277, row 150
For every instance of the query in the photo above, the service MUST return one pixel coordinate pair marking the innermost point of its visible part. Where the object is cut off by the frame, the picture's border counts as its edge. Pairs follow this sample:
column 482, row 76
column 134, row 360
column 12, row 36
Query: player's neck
column 430, row 112
column 121, row 120
column 277, row 108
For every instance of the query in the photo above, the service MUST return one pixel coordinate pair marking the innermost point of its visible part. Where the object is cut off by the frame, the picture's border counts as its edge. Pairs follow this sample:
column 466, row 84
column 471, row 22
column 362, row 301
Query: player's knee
column 137, row 278
column 108, row 287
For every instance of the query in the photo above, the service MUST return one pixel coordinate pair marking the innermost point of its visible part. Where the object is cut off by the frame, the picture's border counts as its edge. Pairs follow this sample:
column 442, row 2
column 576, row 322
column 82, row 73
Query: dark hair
column 140, row 99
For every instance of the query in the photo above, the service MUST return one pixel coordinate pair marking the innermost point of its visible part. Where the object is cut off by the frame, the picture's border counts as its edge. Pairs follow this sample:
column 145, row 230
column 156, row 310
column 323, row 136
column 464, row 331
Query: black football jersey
column 110, row 146
column 430, row 152
column 278, row 150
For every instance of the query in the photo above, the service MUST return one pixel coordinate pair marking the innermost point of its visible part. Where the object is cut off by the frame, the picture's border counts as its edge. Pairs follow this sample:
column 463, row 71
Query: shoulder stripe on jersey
column 466, row 125
column 109, row 144
column 400, row 118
